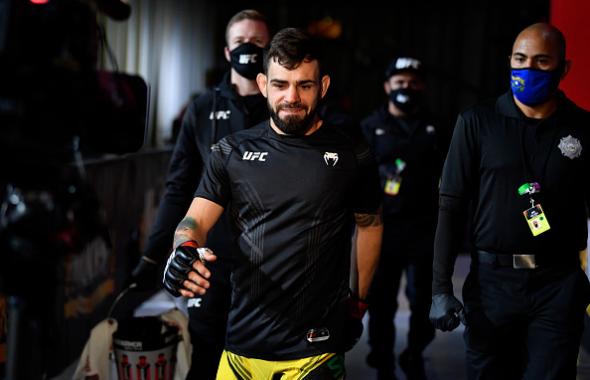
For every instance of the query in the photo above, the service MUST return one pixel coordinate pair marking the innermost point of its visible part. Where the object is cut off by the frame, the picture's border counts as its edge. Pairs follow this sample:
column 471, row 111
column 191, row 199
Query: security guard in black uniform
column 410, row 152
column 235, row 104
column 523, row 162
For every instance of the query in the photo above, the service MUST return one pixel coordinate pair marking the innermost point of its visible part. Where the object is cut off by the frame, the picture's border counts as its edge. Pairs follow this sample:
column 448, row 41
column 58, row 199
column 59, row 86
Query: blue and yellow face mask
column 534, row 86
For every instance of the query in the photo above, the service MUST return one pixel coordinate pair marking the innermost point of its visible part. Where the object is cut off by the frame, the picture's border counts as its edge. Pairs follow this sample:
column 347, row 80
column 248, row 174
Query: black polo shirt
column 493, row 145
column 291, row 200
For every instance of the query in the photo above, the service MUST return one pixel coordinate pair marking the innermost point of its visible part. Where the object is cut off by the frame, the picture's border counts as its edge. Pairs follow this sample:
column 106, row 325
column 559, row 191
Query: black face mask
column 407, row 100
column 246, row 59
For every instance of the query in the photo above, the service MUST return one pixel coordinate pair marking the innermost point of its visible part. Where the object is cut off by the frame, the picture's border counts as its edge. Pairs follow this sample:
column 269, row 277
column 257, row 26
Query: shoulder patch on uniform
column 570, row 147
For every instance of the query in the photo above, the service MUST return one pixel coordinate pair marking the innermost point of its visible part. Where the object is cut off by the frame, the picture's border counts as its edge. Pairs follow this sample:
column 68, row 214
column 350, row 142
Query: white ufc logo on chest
column 254, row 156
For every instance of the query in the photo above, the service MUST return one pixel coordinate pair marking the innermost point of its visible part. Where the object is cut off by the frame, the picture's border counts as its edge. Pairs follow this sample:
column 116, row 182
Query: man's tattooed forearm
column 184, row 229
column 368, row 220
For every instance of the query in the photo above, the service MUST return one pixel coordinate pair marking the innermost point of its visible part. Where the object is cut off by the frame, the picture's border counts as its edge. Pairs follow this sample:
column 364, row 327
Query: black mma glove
column 355, row 308
column 146, row 275
column 446, row 312
column 179, row 264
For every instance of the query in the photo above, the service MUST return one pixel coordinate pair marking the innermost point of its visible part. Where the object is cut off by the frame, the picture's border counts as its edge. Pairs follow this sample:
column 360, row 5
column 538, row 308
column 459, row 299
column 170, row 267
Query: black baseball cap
column 404, row 64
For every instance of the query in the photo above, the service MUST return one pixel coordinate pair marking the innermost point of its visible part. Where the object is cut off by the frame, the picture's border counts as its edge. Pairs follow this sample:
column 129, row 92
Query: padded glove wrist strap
column 356, row 307
column 190, row 243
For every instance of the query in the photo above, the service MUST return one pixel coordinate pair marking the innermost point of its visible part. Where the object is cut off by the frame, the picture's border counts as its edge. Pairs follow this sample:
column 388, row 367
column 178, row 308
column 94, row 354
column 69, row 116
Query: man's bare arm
column 200, row 218
column 369, row 233
column 368, row 220
column 187, row 227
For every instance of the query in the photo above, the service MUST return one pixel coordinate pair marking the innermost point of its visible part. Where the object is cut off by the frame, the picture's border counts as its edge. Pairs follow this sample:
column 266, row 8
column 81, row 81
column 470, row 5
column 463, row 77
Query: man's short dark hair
column 246, row 14
column 290, row 47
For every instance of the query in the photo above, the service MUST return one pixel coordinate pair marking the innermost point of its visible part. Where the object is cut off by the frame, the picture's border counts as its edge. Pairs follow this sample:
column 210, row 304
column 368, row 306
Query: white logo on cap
column 407, row 63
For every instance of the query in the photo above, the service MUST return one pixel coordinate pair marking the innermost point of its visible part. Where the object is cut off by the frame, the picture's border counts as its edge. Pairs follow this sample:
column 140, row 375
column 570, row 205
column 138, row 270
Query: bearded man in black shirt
column 292, row 185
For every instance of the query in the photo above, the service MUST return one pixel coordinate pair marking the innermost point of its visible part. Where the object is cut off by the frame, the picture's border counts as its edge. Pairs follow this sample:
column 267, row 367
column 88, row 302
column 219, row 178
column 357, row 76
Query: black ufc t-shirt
column 291, row 201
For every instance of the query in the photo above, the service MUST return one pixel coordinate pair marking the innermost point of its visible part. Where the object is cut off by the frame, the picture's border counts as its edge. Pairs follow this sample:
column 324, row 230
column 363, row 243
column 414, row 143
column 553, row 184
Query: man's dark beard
column 293, row 125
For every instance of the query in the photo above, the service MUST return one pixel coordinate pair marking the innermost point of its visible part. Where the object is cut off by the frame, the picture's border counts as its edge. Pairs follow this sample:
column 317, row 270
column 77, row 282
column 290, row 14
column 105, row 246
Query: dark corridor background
column 464, row 45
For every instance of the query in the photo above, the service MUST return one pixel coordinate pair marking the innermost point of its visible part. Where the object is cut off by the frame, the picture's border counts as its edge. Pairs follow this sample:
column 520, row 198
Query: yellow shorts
column 322, row 367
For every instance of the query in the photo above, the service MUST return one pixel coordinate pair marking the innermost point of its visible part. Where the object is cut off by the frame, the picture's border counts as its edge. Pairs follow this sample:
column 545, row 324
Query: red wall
column 572, row 18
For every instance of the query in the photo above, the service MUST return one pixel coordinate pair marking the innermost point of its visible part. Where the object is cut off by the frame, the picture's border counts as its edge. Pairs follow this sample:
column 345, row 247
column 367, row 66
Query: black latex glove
column 179, row 264
column 146, row 274
column 355, row 309
column 446, row 312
